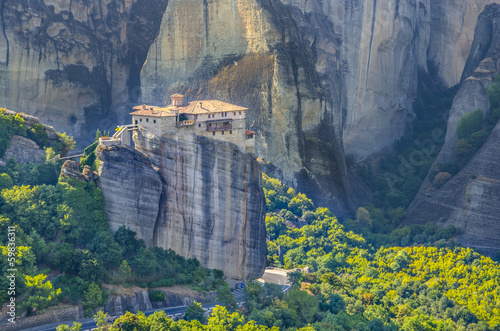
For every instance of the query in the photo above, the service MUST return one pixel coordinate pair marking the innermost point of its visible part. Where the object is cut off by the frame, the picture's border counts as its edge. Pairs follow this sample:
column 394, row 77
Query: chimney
column 177, row 99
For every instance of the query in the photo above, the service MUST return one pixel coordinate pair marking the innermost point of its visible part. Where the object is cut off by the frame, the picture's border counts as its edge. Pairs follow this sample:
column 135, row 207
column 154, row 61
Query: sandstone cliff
column 469, row 200
column 75, row 64
column 199, row 197
column 328, row 83
column 131, row 188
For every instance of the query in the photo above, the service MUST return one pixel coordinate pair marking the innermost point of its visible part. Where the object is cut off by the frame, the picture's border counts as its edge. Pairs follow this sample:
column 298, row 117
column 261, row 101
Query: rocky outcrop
column 199, row 197
column 31, row 121
column 118, row 305
column 452, row 23
column 137, row 299
column 24, row 150
column 131, row 188
column 471, row 96
column 469, row 200
column 71, row 170
column 75, row 64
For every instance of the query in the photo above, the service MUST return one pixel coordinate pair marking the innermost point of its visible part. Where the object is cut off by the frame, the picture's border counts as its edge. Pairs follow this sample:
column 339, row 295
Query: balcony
column 184, row 123
column 219, row 127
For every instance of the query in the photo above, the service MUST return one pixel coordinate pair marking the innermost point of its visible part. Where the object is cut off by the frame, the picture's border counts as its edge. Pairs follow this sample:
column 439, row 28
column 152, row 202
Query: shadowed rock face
column 204, row 200
column 470, row 200
column 75, row 64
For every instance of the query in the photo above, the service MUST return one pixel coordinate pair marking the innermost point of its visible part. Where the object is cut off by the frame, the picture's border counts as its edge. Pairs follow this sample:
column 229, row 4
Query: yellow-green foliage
column 220, row 320
column 415, row 288
column 405, row 274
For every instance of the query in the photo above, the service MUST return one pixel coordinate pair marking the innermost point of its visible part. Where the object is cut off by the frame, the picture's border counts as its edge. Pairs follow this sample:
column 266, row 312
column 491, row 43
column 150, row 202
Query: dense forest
column 343, row 282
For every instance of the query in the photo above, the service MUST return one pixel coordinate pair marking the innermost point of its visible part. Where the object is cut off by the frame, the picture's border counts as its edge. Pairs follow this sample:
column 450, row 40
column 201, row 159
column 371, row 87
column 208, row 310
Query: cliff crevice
column 469, row 200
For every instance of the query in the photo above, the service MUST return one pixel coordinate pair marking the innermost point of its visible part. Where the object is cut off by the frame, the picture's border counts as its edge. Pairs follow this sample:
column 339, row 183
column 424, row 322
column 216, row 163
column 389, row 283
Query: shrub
column 440, row 179
column 469, row 123
column 157, row 296
column 477, row 139
column 5, row 181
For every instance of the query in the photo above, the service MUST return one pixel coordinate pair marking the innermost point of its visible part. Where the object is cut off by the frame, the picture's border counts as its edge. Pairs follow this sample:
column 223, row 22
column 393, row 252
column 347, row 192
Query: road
column 273, row 276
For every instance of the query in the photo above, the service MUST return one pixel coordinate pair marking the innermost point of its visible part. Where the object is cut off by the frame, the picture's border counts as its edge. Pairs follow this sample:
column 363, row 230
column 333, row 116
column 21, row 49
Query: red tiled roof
column 249, row 133
column 193, row 107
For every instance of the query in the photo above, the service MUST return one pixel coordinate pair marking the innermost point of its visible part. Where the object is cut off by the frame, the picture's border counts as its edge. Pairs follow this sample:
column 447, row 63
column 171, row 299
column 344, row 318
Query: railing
column 219, row 127
column 184, row 123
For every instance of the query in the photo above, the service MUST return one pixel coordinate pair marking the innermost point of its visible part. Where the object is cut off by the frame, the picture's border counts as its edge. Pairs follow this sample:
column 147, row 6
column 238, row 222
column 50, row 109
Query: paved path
column 275, row 276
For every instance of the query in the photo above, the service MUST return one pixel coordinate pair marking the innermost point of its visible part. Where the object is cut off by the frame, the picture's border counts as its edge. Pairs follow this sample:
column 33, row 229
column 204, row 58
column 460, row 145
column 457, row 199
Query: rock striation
column 201, row 198
column 469, row 200
column 131, row 188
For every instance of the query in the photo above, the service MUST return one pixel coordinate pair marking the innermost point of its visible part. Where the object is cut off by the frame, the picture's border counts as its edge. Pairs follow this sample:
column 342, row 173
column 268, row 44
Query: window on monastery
column 234, row 113
column 230, row 132
column 147, row 119
column 213, row 133
column 240, row 112
column 222, row 132
column 135, row 121
column 199, row 125
column 140, row 120
column 154, row 121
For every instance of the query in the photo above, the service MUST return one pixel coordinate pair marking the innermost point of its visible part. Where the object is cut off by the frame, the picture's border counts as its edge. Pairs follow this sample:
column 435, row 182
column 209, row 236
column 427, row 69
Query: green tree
column 92, row 299
column 303, row 304
column 225, row 296
column 107, row 248
column 130, row 322
column 195, row 312
column 5, row 181
column 221, row 319
column 40, row 293
column 75, row 327
column 124, row 270
column 102, row 320
column 463, row 150
column 363, row 218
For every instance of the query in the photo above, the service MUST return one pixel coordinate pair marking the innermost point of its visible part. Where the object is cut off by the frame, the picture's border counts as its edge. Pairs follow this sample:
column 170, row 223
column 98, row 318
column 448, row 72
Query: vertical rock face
column 469, row 200
column 131, row 189
column 325, row 81
column 452, row 32
column 199, row 197
column 212, row 206
column 70, row 62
